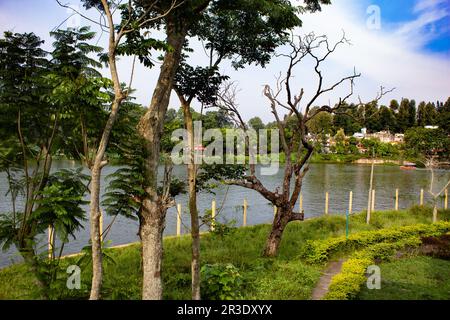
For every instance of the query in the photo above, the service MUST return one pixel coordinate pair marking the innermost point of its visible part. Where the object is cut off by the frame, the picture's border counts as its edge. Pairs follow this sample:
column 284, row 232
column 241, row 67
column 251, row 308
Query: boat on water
column 408, row 166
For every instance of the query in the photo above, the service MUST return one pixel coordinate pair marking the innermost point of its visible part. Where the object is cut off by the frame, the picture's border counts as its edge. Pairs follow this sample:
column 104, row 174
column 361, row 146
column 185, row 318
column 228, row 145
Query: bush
column 319, row 251
column 221, row 282
column 347, row 284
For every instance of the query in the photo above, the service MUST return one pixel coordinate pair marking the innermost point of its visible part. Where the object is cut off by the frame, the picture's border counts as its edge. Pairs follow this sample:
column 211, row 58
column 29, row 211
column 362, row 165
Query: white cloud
column 387, row 57
column 423, row 28
column 422, row 5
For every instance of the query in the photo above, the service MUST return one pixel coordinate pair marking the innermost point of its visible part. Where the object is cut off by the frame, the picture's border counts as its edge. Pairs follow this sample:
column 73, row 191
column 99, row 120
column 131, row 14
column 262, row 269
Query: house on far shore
column 383, row 136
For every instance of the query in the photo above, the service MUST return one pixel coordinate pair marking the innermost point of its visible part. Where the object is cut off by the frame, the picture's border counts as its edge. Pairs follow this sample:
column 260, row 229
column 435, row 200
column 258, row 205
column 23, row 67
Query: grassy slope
column 286, row 277
column 418, row 278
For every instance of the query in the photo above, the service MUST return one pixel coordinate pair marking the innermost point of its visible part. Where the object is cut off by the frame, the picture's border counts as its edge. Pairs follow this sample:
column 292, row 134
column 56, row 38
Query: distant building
column 399, row 138
column 432, row 127
column 383, row 136
column 361, row 148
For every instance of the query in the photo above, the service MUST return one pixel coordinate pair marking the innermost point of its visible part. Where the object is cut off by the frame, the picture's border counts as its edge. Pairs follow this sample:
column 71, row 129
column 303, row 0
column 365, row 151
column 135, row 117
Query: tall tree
column 34, row 100
column 403, row 116
column 412, row 113
column 394, row 106
column 133, row 20
column 444, row 116
column 256, row 124
column 177, row 24
column 387, row 119
column 224, row 30
column 421, row 114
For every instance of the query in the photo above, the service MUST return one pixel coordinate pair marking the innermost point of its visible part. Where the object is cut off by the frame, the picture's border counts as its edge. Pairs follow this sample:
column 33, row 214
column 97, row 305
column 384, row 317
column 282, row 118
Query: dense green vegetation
column 57, row 104
column 256, row 278
column 396, row 118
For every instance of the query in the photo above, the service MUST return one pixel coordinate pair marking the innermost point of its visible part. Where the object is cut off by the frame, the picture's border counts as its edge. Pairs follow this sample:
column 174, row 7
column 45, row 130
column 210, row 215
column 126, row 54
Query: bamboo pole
column 179, row 220
column 327, row 200
column 213, row 215
column 421, row 197
column 373, row 200
column 245, row 212
column 51, row 241
column 350, row 203
column 396, row 199
column 446, row 199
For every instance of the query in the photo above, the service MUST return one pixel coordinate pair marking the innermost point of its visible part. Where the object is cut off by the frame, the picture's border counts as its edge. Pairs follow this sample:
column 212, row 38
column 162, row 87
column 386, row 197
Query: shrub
column 347, row 284
column 221, row 282
column 319, row 251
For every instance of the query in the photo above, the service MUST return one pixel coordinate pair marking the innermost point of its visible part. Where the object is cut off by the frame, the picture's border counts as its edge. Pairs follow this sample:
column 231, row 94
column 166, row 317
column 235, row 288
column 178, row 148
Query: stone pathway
column 321, row 289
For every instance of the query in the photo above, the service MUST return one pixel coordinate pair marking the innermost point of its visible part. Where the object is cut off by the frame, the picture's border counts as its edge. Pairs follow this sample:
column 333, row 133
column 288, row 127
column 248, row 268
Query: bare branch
column 67, row 6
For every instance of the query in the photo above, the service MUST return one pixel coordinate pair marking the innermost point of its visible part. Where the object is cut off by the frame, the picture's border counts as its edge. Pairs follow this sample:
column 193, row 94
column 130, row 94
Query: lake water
column 338, row 180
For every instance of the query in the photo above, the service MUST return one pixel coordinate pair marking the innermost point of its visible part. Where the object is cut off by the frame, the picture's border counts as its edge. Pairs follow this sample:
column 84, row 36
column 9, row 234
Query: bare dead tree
column 432, row 163
column 285, row 105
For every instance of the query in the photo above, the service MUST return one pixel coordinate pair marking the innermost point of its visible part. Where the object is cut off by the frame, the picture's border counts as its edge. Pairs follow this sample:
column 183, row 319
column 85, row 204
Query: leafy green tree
column 422, row 143
column 340, row 140
column 256, row 124
column 426, row 114
column 412, row 113
column 421, row 114
column 394, row 106
column 443, row 118
column 371, row 116
column 403, row 116
column 224, row 28
column 216, row 119
column 35, row 103
column 348, row 119
column 321, row 123
column 181, row 20
column 387, row 119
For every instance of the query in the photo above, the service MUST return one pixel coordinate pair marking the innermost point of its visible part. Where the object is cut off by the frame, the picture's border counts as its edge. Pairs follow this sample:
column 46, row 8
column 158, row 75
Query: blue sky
column 396, row 13
column 410, row 51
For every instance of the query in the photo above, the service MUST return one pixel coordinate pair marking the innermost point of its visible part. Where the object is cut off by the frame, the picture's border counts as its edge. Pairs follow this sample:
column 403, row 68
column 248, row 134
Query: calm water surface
column 338, row 180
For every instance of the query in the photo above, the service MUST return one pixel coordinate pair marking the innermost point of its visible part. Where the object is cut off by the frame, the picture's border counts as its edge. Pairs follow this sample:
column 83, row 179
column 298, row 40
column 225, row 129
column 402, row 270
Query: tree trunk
column 99, row 163
column 97, row 266
column 273, row 242
column 151, row 232
column 150, row 128
column 192, row 182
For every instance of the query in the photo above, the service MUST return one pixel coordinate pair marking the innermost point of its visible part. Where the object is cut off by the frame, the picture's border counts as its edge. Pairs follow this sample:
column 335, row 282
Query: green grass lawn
column 284, row 277
column 418, row 278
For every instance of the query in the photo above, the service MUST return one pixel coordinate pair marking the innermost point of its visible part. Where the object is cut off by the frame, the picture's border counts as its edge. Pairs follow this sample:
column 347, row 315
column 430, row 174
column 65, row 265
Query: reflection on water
column 338, row 180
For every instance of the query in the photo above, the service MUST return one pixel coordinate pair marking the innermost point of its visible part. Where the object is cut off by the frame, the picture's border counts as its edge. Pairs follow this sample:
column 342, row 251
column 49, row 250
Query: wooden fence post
column 179, row 220
column 51, row 241
column 373, row 200
column 350, row 203
column 421, row 197
column 213, row 215
column 396, row 199
column 301, row 202
column 446, row 199
column 327, row 199
column 245, row 212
